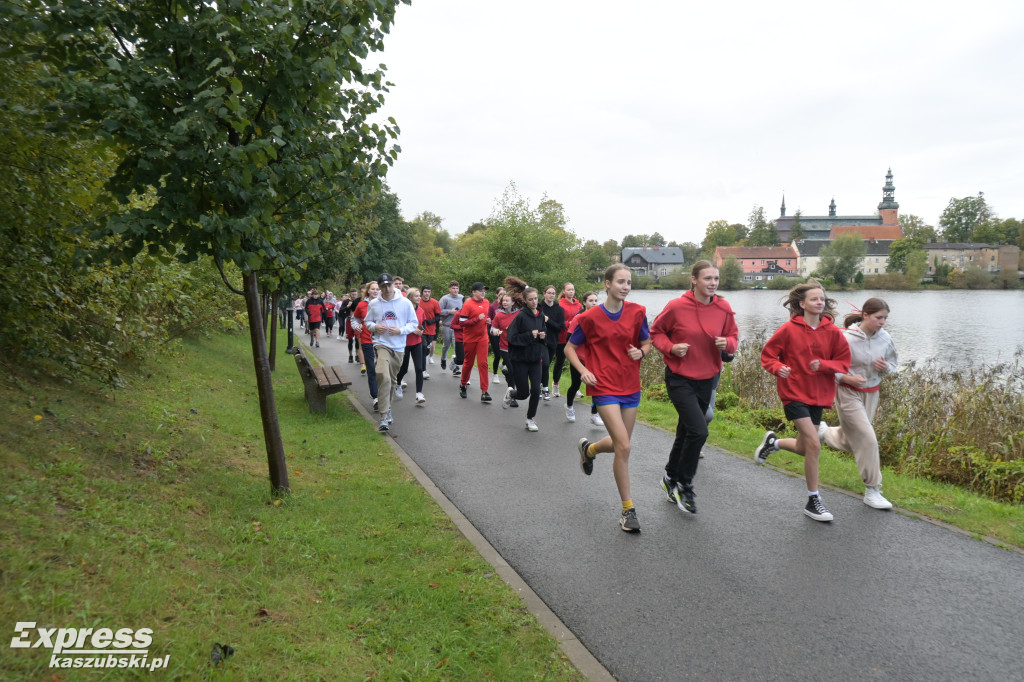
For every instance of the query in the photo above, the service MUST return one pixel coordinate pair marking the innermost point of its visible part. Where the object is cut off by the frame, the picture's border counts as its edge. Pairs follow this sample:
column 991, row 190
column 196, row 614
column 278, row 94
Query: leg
column 575, row 381
column 533, row 374
column 481, row 346
column 417, row 361
column 689, row 397
column 807, row 445
column 371, row 368
column 620, row 423
column 556, row 370
column 404, row 369
column 856, row 434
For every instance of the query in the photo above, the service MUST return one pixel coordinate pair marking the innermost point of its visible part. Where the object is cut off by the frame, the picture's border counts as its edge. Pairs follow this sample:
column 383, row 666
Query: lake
column 958, row 327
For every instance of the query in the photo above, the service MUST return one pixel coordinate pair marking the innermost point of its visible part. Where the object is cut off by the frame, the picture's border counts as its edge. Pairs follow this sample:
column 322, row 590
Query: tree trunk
column 265, row 385
column 275, row 314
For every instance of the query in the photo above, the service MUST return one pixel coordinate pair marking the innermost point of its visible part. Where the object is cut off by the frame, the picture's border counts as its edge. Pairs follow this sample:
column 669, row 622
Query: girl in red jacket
column 692, row 332
column 805, row 354
column 572, row 308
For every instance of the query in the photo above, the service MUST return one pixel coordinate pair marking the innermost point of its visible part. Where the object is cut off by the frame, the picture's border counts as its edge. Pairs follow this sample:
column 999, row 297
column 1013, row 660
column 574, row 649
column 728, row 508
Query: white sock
column 809, row 493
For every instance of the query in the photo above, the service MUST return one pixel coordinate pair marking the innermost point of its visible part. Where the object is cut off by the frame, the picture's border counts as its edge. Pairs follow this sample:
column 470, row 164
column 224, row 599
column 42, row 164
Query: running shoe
column 531, row 425
column 629, row 522
column 506, row 402
column 462, row 391
column 816, row 510
column 570, row 414
column 398, row 392
column 684, row 498
column 426, row 375
column 443, row 364
column 375, row 404
column 420, row 399
column 596, row 420
column 669, row 486
column 586, row 461
column 556, row 394
column 873, row 498
column 485, row 397
column 545, row 393
column 405, row 383
column 497, row 378
column 513, row 403
column 822, row 428
column 431, row 360
column 769, row 444
column 384, row 424
column 362, row 370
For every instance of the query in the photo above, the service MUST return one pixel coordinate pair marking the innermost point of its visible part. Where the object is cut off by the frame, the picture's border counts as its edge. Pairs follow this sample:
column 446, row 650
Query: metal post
column 291, row 337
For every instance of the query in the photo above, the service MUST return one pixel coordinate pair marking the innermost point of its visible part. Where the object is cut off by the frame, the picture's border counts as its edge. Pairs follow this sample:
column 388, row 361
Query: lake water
column 959, row 328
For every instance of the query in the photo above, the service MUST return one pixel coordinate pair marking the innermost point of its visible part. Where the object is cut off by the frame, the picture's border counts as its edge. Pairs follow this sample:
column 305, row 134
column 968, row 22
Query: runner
column 370, row 291
column 474, row 321
column 315, row 310
column 390, row 318
column 495, row 338
column 414, row 344
column 451, row 303
column 617, row 339
column 432, row 313
column 588, row 301
column 526, row 348
column 571, row 308
column 554, row 318
column 499, row 329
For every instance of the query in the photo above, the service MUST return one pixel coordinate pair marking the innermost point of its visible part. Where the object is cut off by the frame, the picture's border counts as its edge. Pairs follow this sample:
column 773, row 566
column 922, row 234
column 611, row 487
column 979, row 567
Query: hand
column 679, row 349
column 815, row 364
column 588, row 378
column 634, row 353
column 535, row 332
column 783, row 372
column 855, row 380
column 482, row 317
column 880, row 365
column 721, row 343
column 543, row 335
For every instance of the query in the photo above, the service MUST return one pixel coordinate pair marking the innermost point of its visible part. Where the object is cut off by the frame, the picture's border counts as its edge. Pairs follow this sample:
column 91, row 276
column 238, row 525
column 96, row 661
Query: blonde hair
column 798, row 293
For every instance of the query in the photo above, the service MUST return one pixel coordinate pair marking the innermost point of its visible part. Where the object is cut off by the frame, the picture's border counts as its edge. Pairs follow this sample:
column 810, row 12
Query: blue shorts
column 623, row 401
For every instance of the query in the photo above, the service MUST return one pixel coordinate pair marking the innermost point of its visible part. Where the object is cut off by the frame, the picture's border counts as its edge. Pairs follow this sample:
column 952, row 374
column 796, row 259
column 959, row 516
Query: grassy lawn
column 149, row 507
column 979, row 515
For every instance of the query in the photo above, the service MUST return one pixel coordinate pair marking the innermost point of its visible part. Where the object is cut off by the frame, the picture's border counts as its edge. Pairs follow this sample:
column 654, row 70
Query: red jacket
column 432, row 311
column 413, row 339
column 795, row 345
column 359, row 314
column 502, row 320
column 572, row 308
column 474, row 328
column 687, row 320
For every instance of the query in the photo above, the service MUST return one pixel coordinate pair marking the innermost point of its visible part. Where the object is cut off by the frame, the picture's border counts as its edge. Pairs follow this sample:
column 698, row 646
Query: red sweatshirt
column 572, row 308
column 795, row 344
column 474, row 328
column 687, row 320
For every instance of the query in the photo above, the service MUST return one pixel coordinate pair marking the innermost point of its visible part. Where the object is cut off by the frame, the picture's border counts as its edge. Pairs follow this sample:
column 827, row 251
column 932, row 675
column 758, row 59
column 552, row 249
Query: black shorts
column 314, row 325
column 429, row 338
column 795, row 411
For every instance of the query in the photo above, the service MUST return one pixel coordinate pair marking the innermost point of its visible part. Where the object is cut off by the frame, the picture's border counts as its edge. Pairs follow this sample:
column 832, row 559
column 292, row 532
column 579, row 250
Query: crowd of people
column 531, row 334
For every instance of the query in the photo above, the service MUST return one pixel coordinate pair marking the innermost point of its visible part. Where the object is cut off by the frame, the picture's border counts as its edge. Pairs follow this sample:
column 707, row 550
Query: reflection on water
column 957, row 328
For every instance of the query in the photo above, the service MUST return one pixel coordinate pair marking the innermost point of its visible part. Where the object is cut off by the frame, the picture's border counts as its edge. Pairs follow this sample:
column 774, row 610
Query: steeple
column 888, row 193
column 832, row 208
column 783, row 213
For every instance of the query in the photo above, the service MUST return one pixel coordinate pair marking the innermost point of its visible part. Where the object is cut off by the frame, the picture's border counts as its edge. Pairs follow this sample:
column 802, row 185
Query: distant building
column 961, row 256
column 760, row 263
column 875, row 261
column 653, row 261
column 883, row 225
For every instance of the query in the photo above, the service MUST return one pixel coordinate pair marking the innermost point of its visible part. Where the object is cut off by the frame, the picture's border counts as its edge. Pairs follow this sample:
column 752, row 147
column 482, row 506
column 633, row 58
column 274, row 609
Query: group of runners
column 534, row 335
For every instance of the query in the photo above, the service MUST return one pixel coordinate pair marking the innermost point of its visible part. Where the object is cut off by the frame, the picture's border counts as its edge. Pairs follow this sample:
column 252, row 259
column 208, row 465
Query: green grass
column 150, row 506
column 732, row 430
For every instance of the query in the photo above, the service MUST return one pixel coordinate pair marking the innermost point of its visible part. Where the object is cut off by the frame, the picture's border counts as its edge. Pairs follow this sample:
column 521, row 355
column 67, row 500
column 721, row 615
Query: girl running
column 526, row 348
column 617, row 339
column 554, row 319
column 500, row 322
column 414, row 346
column 805, row 354
column 691, row 333
column 588, row 301
column 570, row 308
column 370, row 291
column 872, row 356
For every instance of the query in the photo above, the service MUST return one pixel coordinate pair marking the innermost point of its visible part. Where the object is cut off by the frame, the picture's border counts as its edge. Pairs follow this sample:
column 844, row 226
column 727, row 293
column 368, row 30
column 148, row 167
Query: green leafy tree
column 977, row 278
column 915, row 268
column 841, row 259
column 691, row 252
column 796, row 231
column 612, row 249
column 718, row 233
column 915, row 228
column 762, row 232
column 249, row 128
column 731, row 274
column 898, row 252
column 551, row 214
column 632, row 241
column 390, row 245
column 656, row 239
column 962, row 217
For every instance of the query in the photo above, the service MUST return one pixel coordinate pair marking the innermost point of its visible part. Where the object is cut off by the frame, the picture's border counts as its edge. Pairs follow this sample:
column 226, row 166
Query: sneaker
column 405, row 383
column 317, row 344
column 391, row 420
column 497, row 378
column 531, row 425
column 384, row 424
column 457, row 371
column 513, row 403
column 374, row 404
column 596, row 420
column 485, row 397
column 506, row 402
column 545, row 393
column 420, row 399
column 684, row 498
column 822, row 428
column 768, row 446
column 443, row 364
column 816, row 510
column 586, row 461
column 398, row 391
column 362, row 370
column 426, row 375
column 629, row 522
column 351, row 359
column 462, row 390
column 873, row 498
column 556, row 394
column 570, row 414
column 669, row 486
column 431, row 361
column 504, row 373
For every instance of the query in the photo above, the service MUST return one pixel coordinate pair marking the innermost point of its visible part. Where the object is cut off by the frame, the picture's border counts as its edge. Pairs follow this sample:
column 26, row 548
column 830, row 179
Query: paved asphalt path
column 747, row 589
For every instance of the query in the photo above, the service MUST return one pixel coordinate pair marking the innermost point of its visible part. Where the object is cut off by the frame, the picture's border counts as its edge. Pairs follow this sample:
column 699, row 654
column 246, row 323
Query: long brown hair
column 870, row 307
column 798, row 293
column 695, row 272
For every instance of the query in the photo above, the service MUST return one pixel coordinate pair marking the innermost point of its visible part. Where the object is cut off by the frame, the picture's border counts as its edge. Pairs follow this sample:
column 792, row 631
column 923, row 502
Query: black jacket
column 522, row 346
column 556, row 322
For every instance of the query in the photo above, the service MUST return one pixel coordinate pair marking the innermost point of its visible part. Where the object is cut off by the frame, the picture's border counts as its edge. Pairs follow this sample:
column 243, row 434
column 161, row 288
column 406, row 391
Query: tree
column 762, row 232
column 718, row 233
column 551, row 214
column 691, row 252
column 796, row 231
column 916, row 229
column 656, row 239
column 632, row 241
column 731, row 274
column 841, row 259
column 390, row 245
column 251, row 131
column 962, row 217
column 916, row 266
column 899, row 250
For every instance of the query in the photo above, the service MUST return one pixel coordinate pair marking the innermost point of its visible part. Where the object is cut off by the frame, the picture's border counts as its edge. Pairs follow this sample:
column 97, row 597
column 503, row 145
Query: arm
column 772, row 354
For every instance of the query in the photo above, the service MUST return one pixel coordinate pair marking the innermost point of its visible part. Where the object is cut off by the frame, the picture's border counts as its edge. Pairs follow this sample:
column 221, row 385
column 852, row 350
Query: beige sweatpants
column 389, row 362
column 855, row 434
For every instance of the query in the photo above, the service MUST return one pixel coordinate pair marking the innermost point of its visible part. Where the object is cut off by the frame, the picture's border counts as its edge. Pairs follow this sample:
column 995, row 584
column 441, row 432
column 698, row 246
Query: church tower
column 889, row 209
column 783, row 210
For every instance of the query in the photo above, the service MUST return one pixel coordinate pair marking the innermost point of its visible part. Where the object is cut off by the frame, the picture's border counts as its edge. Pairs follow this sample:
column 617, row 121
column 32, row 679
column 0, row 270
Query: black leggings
column 416, row 351
column 527, row 376
column 495, row 353
column 574, row 387
column 560, row 363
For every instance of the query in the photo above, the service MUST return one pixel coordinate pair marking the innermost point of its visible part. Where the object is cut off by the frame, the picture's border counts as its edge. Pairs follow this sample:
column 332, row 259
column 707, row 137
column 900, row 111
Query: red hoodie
column 572, row 308
column 687, row 320
column 795, row 344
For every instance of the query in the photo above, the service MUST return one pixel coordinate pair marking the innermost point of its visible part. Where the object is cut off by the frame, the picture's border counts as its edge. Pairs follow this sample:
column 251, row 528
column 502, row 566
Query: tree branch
column 220, row 269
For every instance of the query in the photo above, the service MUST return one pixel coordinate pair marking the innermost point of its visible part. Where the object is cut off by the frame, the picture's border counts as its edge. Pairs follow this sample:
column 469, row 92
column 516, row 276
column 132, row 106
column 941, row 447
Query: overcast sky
column 662, row 116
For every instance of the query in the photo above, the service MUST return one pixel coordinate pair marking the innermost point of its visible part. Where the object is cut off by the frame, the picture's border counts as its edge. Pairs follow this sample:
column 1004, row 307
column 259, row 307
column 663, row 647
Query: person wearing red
column 370, row 291
column 474, row 321
column 495, row 338
column 414, row 344
column 329, row 313
column 432, row 316
column 572, row 308
column 589, row 300
column 315, row 311
column 617, row 339
column 500, row 322
column 805, row 354
column 692, row 332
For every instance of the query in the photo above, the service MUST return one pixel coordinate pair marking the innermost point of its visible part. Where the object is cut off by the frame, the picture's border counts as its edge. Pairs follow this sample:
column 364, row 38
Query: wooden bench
column 319, row 382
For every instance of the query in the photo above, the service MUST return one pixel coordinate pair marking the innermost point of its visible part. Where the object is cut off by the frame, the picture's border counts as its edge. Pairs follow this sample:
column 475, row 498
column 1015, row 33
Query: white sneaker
column 545, row 394
column 531, row 425
column 496, row 379
column 431, row 359
column 596, row 420
column 404, row 383
column 398, row 391
column 822, row 428
column 570, row 414
column 506, row 402
column 420, row 399
column 426, row 375
column 873, row 498
column 556, row 393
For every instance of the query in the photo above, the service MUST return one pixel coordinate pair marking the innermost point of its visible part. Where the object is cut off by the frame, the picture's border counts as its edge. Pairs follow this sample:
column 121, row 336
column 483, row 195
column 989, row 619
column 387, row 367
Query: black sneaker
column 684, row 498
column 457, row 372
column 586, row 461
column 504, row 373
column 629, row 522
column 443, row 364
column 513, row 403
column 669, row 486
column 767, row 447
column 485, row 397
column 816, row 510
column 351, row 360
column 462, row 390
